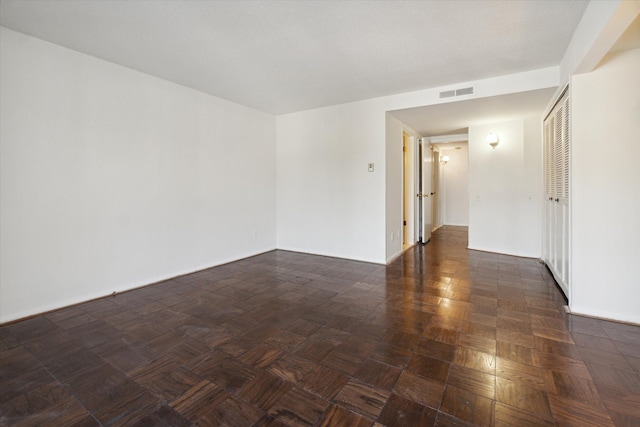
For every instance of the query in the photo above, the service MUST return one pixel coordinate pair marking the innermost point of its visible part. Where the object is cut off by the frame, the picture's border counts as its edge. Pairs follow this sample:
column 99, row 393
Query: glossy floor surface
column 442, row 336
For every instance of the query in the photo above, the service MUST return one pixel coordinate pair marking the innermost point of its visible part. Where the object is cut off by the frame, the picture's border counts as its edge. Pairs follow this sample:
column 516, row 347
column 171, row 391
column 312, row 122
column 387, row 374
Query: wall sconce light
column 493, row 140
column 444, row 159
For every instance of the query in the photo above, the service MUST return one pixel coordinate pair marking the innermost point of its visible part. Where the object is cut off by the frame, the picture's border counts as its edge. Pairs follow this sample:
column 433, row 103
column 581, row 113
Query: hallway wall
column 505, row 188
column 455, row 186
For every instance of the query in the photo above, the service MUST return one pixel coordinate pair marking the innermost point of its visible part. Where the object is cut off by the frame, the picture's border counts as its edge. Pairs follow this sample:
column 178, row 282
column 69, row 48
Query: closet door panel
column 557, row 179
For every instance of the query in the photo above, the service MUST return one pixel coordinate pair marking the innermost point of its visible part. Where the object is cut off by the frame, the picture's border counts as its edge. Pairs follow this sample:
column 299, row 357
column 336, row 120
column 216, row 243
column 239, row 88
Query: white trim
column 493, row 251
column 394, row 257
column 328, row 255
column 604, row 315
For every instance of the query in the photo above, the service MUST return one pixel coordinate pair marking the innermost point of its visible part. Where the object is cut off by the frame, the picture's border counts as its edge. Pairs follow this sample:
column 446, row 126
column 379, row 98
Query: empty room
column 319, row 213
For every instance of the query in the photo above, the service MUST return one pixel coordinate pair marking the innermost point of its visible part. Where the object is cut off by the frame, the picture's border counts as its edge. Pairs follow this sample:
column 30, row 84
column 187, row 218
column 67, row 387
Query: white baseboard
column 633, row 319
column 501, row 252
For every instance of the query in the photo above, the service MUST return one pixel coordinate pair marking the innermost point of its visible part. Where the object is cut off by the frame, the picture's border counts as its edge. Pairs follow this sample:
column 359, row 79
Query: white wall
column 505, row 188
column 327, row 202
column 455, row 183
column 112, row 179
column 605, row 194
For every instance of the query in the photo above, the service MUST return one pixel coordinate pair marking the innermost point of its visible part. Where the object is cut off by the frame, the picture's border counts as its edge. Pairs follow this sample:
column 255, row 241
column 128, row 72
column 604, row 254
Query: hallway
column 442, row 336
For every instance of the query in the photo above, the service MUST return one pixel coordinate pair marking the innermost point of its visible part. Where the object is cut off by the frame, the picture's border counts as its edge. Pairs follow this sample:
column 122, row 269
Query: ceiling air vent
column 456, row 92
column 447, row 94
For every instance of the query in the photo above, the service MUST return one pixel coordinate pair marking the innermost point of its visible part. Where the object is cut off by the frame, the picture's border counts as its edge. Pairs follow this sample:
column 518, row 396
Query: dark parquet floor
column 443, row 336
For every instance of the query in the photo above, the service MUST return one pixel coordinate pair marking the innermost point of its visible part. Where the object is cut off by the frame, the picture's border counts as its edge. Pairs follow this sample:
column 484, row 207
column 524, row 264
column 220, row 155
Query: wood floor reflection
column 442, row 336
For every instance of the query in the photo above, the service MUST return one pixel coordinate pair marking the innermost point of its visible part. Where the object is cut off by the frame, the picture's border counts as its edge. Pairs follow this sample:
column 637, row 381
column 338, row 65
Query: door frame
column 408, row 190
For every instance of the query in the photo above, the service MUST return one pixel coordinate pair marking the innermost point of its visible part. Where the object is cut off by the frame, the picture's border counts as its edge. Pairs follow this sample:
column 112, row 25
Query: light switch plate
column 370, row 166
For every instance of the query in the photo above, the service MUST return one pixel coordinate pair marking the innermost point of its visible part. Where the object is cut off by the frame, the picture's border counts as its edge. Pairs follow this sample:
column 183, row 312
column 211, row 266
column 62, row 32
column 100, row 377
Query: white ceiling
column 456, row 117
column 286, row 56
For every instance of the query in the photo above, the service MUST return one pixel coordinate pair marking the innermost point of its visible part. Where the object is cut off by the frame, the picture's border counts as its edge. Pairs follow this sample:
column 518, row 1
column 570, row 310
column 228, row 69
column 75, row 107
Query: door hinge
column 404, row 223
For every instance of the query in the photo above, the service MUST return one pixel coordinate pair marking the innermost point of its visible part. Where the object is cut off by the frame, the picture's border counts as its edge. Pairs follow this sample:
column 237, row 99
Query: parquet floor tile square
column 522, row 396
column 199, row 399
column 324, row 382
column 436, row 349
column 508, row 416
column 337, row 416
column 468, row 406
column 343, row 361
column 483, row 362
column 362, row 398
column 164, row 379
column 421, row 390
column 472, row 380
column 571, row 413
column 299, row 408
column 163, row 416
column 399, row 412
column 377, row 374
column 429, row 367
column 526, row 374
column 232, row 411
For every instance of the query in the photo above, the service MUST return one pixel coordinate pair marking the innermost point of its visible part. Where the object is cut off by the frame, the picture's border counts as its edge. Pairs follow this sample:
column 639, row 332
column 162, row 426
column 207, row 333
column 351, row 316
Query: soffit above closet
column 456, row 117
column 287, row 56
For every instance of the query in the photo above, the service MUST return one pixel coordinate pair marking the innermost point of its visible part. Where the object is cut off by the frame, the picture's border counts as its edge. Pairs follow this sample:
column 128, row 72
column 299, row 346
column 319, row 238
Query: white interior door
column 424, row 197
column 435, row 189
